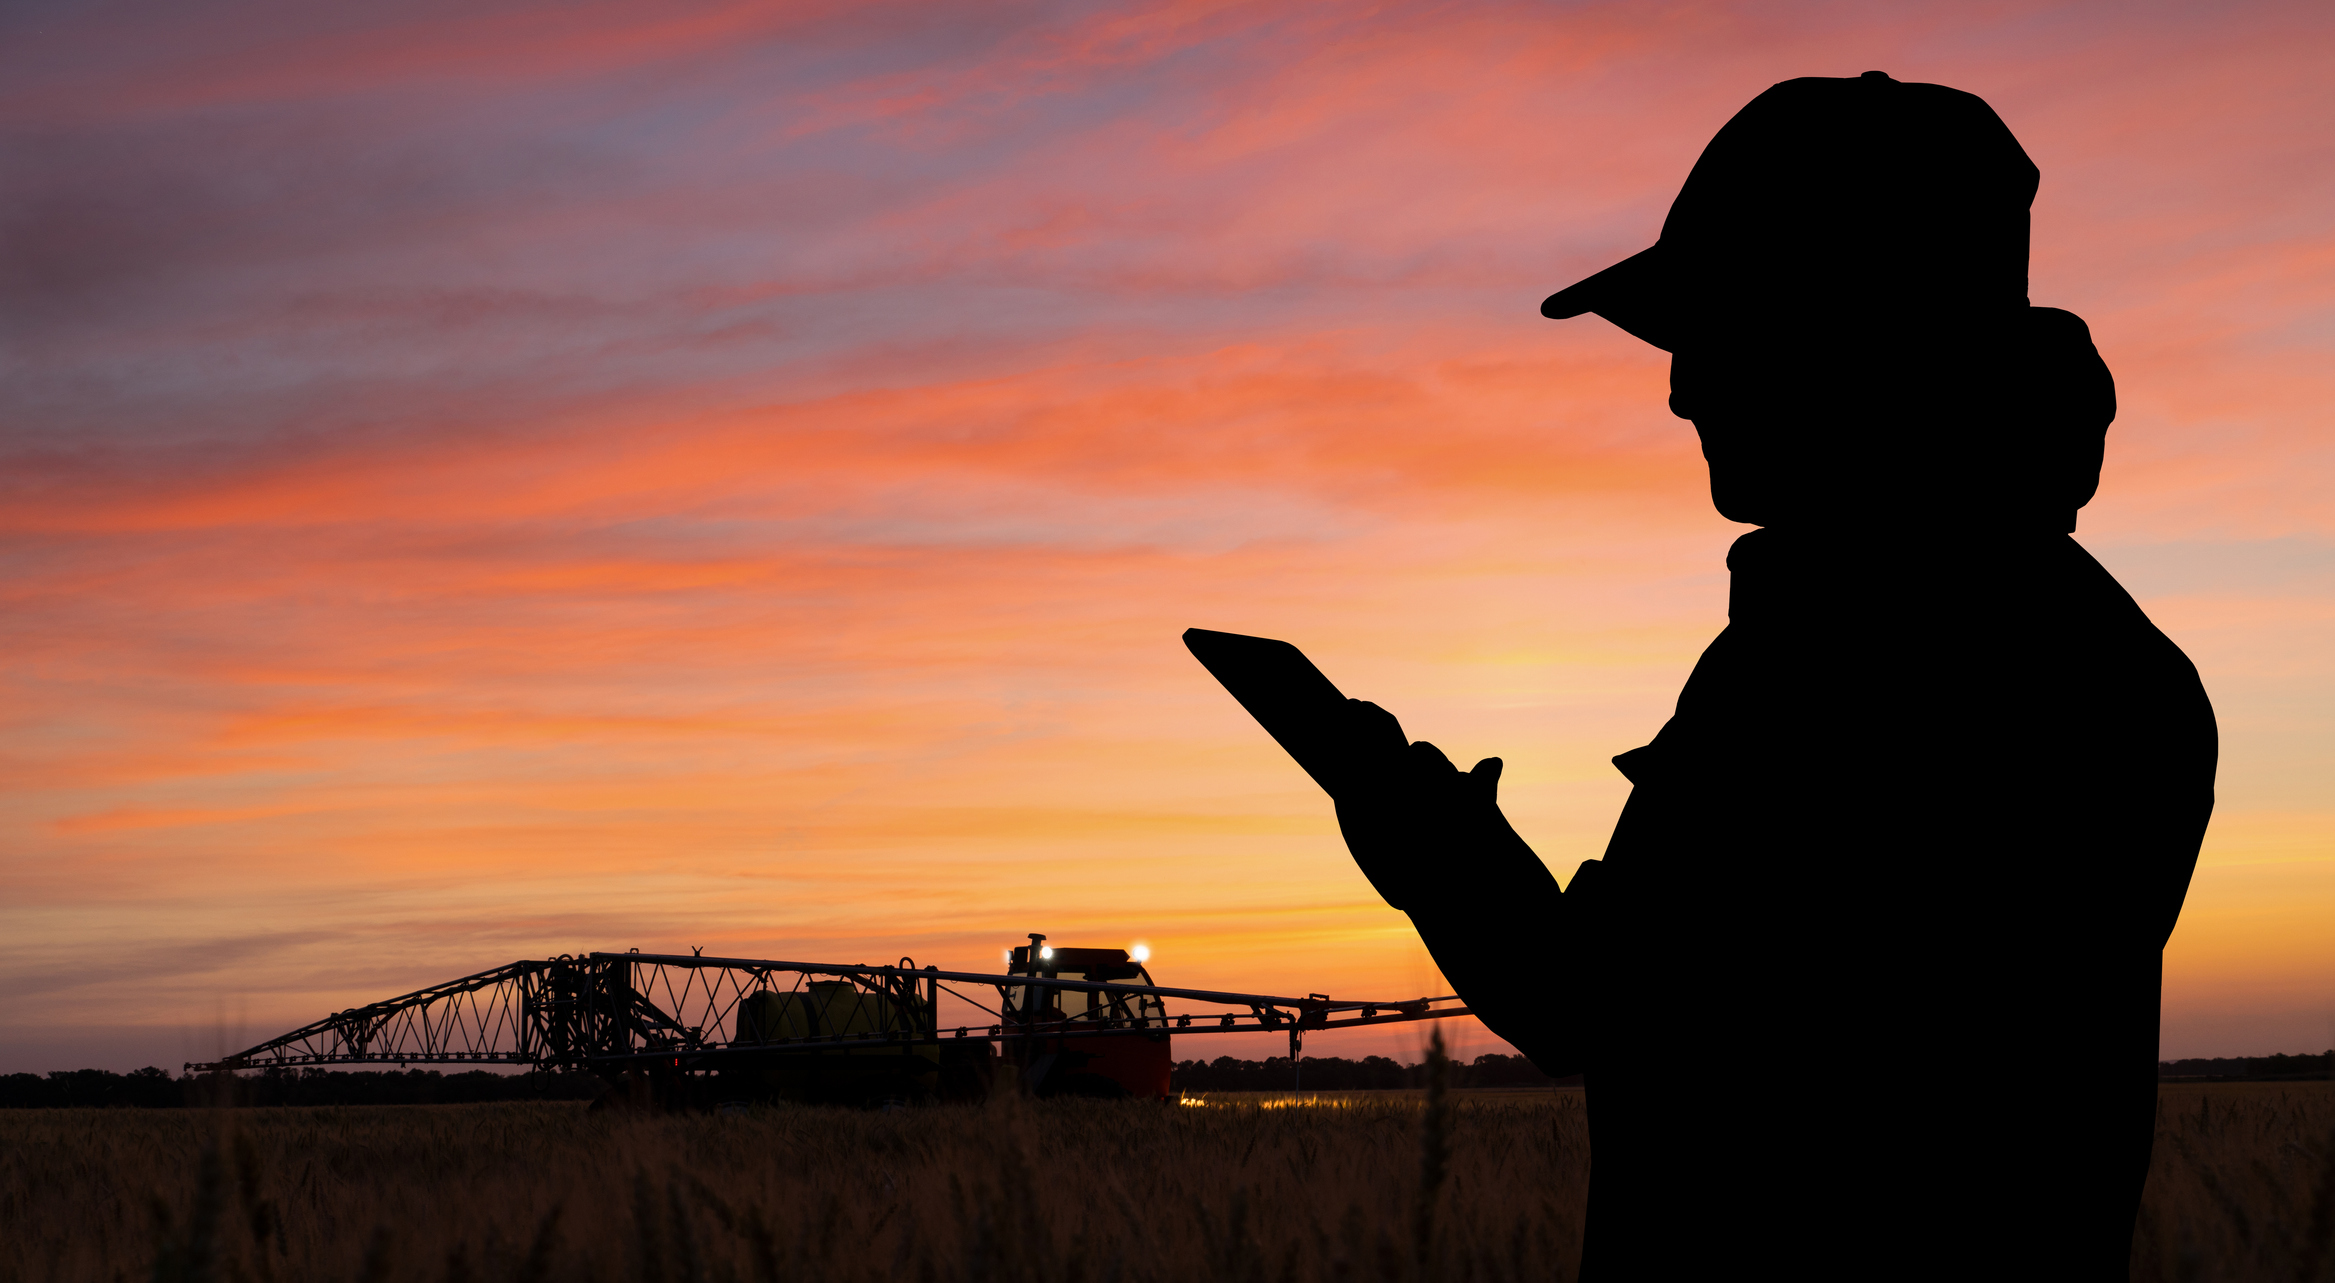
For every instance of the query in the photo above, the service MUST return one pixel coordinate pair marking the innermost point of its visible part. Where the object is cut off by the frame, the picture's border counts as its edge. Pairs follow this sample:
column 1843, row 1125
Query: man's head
column 1842, row 283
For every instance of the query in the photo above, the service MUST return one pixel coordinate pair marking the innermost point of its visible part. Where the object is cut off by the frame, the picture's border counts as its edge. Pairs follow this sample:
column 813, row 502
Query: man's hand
column 1415, row 824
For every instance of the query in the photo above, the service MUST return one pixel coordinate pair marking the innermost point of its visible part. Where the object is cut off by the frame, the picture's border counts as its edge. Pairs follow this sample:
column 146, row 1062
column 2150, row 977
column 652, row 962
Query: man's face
column 1783, row 421
column 1805, row 421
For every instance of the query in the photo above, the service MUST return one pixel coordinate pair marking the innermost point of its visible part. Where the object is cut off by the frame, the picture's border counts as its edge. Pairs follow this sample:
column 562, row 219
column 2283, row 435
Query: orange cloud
column 516, row 480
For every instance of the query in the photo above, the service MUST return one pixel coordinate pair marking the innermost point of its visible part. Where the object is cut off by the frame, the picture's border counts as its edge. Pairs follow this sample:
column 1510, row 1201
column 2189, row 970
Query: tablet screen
column 1287, row 695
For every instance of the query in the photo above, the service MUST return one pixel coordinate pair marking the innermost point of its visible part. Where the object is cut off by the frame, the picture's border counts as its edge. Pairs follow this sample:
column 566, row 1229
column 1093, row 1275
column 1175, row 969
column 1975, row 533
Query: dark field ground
column 1246, row 1188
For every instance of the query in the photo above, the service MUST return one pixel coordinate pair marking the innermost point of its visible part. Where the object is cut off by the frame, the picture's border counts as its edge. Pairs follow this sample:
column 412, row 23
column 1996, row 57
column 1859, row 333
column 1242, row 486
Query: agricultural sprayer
column 687, row 1029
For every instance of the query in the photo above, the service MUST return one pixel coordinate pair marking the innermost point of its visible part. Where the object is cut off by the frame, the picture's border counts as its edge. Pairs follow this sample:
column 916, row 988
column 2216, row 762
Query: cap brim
column 1635, row 294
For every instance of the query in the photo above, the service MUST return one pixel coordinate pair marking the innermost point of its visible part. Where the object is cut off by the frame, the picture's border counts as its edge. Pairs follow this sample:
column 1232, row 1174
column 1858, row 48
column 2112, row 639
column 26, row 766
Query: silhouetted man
column 1866, row 985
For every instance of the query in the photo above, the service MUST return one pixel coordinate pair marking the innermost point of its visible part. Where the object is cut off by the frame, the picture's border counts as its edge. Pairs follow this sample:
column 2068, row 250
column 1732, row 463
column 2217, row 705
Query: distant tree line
column 1336, row 1073
column 2259, row 1068
column 152, row 1088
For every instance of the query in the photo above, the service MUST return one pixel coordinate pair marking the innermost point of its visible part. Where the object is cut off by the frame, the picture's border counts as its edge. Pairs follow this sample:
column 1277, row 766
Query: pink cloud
column 501, row 476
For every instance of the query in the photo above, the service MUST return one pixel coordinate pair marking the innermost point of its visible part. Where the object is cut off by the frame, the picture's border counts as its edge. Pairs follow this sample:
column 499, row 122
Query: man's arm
column 1434, row 843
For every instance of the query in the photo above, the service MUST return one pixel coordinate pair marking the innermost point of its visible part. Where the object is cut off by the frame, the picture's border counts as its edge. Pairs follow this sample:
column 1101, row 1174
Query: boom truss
column 608, row 1012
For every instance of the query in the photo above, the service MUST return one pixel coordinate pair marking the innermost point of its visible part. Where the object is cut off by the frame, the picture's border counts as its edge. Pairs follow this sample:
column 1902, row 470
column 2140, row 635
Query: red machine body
column 1058, row 1046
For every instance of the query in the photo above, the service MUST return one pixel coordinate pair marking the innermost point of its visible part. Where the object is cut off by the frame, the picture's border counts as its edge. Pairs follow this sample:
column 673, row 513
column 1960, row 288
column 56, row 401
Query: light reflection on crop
column 1309, row 1102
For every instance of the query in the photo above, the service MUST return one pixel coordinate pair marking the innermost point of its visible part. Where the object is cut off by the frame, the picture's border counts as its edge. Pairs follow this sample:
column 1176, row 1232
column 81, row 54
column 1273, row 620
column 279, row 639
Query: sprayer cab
column 1063, row 1047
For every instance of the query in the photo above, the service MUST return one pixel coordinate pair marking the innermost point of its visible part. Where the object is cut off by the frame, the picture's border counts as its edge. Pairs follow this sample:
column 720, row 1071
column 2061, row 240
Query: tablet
column 1289, row 697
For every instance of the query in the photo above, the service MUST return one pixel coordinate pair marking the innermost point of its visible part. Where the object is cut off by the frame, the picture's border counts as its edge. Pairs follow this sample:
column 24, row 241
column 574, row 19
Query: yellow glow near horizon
column 670, row 486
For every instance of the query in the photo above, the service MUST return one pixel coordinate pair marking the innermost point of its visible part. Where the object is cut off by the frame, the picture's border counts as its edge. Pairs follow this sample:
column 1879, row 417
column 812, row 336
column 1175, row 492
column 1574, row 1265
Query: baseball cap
column 1860, row 192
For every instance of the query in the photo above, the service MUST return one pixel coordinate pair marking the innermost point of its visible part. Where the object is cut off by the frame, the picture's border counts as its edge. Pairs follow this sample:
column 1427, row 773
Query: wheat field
column 1368, row 1186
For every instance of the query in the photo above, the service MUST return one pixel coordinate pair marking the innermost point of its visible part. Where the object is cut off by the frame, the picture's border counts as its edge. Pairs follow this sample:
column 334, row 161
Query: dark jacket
column 1866, row 984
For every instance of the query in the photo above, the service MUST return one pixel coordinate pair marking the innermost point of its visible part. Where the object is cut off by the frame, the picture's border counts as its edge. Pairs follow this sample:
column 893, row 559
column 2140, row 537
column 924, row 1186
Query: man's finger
column 1485, row 780
column 1375, row 723
column 1432, row 758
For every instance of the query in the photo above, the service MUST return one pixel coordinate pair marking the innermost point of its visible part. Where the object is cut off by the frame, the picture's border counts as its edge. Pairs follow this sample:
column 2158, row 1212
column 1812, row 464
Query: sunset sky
column 484, row 480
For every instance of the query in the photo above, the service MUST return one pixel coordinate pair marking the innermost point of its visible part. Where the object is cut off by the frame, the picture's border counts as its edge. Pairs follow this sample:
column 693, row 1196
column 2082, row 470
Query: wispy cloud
column 478, row 477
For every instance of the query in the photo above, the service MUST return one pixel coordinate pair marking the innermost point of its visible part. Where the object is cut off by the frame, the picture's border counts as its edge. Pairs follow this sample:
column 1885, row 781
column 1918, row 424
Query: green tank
column 812, row 1067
